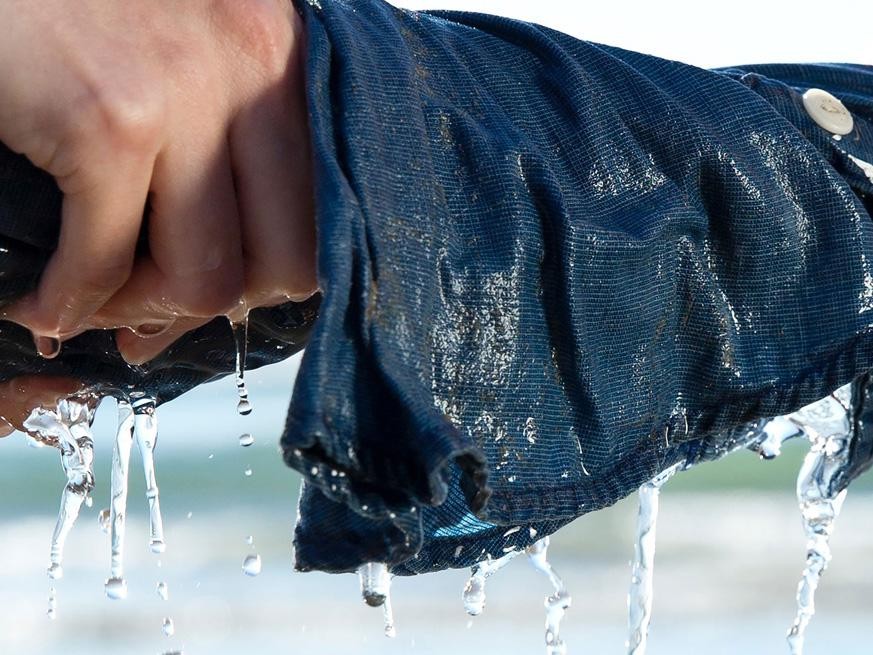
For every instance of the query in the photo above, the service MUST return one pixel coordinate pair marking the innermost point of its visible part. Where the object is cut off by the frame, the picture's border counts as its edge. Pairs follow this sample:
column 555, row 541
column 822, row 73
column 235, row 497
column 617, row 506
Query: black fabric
column 30, row 214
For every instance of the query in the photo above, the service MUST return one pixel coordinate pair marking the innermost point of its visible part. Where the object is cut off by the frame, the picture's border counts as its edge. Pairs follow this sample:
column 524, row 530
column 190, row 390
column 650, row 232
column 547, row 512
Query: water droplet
column 55, row 571
column 115, row 588
column 157, row 546
column 250, row 540
column 474, row 590
column 512, row 531
column 246, row 440
column 52, row 610
column 532, row 532
column 89, row 502
column 189, row 515
column 168, row 627
column 163, row 591
column 103, row 520
column 240, row 338
column 252, row 565
column 376, row 591
column 248, row 472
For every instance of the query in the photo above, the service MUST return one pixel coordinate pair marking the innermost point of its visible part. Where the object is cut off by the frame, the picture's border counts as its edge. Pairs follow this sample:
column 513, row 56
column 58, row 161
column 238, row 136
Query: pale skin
column 198, row 106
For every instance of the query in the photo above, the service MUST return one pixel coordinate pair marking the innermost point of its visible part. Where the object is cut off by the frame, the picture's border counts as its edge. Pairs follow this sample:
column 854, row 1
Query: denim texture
column 551, row 269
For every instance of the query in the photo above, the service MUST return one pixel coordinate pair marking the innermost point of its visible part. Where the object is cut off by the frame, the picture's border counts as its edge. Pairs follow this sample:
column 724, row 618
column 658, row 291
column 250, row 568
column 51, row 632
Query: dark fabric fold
column 552, row 269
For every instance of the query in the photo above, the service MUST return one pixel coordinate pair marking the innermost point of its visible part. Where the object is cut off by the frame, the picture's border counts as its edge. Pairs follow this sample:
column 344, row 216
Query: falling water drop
column 828, row 425
column 68, row 428
column 52, row 611
column 252, row 565
column 474, row 590
column 163, row 591
column 639, row 598
column 556, row 603
column 115, row 588
column 250, row 540
column 376, row 592
column 240, row 338
column 168, row 627
column 248, row 472
column 246, row 440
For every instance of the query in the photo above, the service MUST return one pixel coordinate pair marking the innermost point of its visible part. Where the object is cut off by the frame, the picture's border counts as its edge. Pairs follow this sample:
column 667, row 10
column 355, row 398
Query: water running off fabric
column 240, row 339
column 376, row 592
column 136, row 422
column 556, row 604
column 639, row 598
column 67, row 428
column 828, row 426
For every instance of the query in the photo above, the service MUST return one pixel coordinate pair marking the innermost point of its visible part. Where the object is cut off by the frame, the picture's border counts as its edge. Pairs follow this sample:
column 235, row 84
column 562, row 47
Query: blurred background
column 730, row 544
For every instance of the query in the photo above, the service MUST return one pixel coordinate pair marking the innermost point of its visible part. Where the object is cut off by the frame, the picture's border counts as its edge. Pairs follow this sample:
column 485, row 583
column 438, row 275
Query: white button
column 828, row 111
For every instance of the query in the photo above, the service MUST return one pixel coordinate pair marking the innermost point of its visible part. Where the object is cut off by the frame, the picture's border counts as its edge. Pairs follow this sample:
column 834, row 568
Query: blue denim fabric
column 551, row 269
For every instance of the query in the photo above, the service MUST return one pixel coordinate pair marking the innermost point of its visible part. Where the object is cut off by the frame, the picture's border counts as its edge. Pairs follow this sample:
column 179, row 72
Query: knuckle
column 126, row 114
column 103, row 277
column 260, row 29
column 204, row 297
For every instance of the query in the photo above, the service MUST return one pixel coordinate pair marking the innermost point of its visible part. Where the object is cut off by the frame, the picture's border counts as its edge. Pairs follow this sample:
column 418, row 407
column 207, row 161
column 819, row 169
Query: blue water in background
column 724, row 581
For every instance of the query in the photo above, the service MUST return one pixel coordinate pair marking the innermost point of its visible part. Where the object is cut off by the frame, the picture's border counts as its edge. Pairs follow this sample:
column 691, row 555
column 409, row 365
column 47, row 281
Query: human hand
column 19, row 397
column 199, row 107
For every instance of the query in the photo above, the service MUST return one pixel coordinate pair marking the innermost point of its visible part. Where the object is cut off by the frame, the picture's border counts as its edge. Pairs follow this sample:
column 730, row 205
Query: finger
column 270, row 150
column 136, row 349
column 20, row 396
column 101, row 219
column 194, row 236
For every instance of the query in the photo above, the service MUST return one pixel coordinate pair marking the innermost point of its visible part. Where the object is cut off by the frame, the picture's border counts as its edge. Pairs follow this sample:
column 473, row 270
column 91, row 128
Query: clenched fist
column 197, row 107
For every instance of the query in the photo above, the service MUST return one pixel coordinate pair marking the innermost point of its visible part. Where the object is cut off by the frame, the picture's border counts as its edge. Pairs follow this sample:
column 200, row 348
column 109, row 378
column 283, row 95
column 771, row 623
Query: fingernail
column 153, row 329
column 47, row 347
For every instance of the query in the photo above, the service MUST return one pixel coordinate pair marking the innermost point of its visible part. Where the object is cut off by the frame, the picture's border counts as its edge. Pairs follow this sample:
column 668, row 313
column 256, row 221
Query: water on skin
column 376, row 591
column 68, row 428
column 240, row 338
column 251, row 565
column 828, row 426
column 474, row 590
column 556, row 603
column 639, row 599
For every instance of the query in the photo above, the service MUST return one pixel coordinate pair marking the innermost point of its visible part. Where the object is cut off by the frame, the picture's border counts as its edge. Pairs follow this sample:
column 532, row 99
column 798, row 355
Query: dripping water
column 67, row 427
column 115, row 586
column 168, row 627
column 246, row 440
column 251, row 565
column 163, row 591
column 240, row 338
column 639, row 599
column 146, row 436
column 828, row 426
column 474, row 590
column 52, row 610
column 376, row 591
column 556, row 603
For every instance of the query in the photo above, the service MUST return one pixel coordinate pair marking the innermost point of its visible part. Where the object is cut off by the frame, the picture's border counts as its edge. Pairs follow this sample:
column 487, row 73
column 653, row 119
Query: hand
column 197, row 105
column 19, row 397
